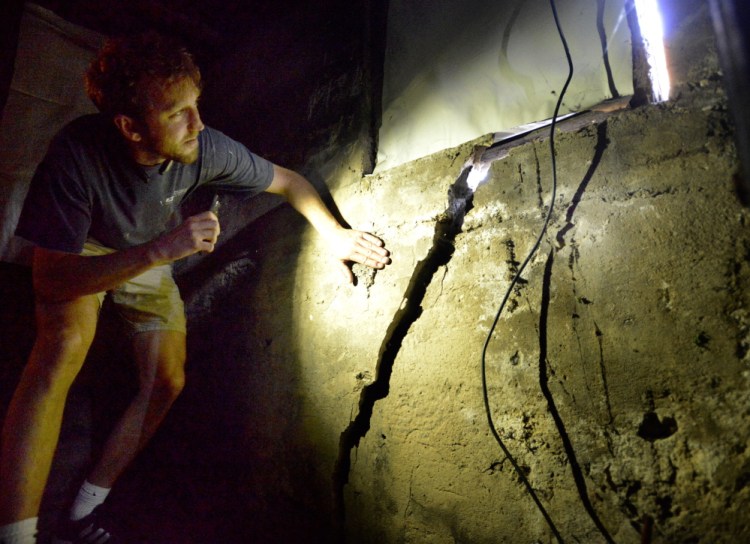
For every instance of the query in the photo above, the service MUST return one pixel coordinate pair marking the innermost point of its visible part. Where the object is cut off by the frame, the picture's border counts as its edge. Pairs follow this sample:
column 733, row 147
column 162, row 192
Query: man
column 100, row 211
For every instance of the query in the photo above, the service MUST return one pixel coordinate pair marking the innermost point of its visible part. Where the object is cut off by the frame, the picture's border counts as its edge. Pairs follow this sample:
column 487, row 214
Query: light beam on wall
column 650, row 23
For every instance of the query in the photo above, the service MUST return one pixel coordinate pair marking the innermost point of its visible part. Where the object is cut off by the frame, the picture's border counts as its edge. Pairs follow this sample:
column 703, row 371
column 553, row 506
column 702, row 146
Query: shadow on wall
column 227, row 449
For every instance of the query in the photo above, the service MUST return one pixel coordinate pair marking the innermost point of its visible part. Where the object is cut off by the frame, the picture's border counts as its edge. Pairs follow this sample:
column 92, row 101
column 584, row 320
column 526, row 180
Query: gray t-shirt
column 88, row 186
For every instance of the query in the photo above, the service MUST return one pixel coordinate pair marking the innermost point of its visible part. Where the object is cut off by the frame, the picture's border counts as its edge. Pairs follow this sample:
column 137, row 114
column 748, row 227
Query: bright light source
column 649, row 20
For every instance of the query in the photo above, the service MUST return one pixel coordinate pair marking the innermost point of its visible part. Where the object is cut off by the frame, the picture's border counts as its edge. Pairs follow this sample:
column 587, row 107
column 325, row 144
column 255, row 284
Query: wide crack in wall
column 447, row 226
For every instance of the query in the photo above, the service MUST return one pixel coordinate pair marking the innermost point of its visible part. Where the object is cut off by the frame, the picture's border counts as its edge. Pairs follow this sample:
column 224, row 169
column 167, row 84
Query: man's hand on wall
column 349, row 245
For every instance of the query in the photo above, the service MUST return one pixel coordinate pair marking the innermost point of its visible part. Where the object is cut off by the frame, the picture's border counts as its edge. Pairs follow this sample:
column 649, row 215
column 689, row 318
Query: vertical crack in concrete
column 539, row 188
column 576, row 314
column 448, row 225
column 575, row 467
column 602, row 142
column 544, row 371
column 603, row 373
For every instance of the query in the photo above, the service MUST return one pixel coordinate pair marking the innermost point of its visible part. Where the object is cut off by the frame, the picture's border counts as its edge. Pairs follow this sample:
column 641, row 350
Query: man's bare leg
column 32, row 424
column 160, row 358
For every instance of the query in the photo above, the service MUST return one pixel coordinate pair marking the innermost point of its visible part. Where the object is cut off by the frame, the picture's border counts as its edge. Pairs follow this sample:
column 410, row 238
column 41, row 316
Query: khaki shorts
column 148, row 302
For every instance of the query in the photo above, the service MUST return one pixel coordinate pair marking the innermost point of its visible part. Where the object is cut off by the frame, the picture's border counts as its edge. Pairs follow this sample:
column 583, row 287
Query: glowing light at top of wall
column 650, row 22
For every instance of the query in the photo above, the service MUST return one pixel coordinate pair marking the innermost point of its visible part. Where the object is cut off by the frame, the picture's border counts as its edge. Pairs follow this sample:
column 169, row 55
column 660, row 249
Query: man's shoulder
column 216, row 143
column 214, row 136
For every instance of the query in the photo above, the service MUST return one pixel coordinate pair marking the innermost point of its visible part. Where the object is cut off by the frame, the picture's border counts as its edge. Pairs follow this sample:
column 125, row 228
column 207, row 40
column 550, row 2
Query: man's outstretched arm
column 346, row 244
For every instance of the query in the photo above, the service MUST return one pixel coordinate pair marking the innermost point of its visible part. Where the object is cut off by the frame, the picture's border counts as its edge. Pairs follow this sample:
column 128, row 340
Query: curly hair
column 119, row 79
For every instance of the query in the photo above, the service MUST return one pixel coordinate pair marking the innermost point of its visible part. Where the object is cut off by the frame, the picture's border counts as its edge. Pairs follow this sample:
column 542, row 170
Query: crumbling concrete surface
column 616, row 376
column 633, row 312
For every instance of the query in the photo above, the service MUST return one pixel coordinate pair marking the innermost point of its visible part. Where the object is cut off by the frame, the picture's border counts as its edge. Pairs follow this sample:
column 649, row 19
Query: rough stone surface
column 617, row 374
column 629, row 327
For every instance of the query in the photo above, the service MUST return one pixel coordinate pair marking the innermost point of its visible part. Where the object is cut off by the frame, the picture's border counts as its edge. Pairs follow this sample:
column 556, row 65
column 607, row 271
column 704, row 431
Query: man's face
column 171, row 125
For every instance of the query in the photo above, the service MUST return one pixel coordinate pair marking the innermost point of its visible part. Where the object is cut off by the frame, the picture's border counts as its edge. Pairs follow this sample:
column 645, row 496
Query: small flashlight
column 215, row 205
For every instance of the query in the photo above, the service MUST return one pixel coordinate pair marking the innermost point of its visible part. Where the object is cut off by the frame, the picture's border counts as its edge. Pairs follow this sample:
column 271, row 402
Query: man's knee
column 164, row 353
column 68, row 340
column 169, row 382
column 64, row 335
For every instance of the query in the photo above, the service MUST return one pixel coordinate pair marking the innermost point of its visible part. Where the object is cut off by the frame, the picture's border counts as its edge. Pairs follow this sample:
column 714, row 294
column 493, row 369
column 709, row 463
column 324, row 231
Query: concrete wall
column 616, row 377
column 619, row 365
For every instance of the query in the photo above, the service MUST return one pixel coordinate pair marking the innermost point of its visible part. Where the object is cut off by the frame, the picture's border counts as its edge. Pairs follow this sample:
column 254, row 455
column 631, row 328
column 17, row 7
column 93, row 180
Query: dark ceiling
column 209, row 26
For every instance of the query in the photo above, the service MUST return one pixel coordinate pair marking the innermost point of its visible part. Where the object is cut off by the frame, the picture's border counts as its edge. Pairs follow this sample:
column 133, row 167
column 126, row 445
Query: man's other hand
column 197, row 233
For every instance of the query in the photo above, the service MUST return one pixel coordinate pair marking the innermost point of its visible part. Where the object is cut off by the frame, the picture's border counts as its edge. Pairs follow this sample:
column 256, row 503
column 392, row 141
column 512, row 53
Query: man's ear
column 128, row 127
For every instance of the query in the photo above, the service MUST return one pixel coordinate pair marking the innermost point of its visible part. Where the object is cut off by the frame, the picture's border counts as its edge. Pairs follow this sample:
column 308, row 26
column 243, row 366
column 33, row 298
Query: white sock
column 89, row 497
column 19, row 532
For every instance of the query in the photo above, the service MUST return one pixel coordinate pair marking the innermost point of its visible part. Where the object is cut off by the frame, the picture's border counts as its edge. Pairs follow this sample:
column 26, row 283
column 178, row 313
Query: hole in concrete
column 652, row 428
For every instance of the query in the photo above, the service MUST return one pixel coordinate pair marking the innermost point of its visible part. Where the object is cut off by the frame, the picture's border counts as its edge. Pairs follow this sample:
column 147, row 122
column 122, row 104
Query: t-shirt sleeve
column 230, row 165
column 56, row 213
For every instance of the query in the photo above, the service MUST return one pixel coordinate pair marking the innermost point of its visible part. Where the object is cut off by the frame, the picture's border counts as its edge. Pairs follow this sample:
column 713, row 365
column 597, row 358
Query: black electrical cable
column 533, row 251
